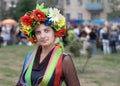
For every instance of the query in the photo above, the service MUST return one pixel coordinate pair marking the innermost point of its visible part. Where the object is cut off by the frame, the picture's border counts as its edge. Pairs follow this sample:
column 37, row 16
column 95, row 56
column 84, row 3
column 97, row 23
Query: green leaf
column 41, row 7
column 46, row 11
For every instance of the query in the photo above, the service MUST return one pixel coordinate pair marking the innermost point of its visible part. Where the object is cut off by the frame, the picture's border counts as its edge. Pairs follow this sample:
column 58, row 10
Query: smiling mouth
column 43, row 41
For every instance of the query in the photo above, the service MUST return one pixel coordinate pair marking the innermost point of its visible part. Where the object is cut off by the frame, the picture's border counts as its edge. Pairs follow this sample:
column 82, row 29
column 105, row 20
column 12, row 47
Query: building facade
column 86, row 9
column 75, row 9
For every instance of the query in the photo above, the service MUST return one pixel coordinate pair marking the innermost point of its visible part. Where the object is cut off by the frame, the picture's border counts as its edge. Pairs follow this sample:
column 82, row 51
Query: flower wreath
column 48, row 16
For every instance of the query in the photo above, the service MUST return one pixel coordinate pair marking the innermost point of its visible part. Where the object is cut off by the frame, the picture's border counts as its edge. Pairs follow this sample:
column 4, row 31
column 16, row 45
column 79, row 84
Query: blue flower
column 48, row 22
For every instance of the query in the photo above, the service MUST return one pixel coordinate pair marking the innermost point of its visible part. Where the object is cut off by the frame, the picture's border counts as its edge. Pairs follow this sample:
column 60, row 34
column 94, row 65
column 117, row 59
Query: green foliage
column 115, row 13
column 49, row 3
column 24, row 6
column 89, row 51
column 75, row 46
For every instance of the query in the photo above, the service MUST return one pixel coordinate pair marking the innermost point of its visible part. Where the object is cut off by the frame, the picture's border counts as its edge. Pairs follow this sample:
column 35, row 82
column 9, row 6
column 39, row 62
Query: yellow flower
column 25, row 31
column 25, row 27
column 61, row 22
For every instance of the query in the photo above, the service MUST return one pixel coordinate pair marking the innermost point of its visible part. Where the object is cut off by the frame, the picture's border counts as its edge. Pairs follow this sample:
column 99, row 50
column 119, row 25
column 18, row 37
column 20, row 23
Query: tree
column 49, row 3
column 115, row 6
column 53, row 3
column 27, row 5
column 23, row 6
column 11, row 11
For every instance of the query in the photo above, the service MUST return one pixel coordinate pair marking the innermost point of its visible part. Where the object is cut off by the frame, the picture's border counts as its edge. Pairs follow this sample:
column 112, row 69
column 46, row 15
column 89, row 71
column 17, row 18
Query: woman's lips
column 43, row 41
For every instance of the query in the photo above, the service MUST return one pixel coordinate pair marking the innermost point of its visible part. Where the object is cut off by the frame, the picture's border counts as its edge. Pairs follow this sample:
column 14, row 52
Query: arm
column 69, row 72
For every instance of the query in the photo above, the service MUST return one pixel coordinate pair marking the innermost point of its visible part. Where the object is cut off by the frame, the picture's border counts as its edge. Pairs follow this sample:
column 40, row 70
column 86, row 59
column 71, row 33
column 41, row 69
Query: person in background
column 47, row 65
column 76, row 31
column 113, row 39
column 1, row 38
column 92, row 40
column 118, row 35
column 105, row 40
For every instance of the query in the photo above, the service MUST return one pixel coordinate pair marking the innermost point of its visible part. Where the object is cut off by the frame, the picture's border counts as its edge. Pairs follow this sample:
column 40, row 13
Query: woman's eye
column 46, row 30
column 37, row 32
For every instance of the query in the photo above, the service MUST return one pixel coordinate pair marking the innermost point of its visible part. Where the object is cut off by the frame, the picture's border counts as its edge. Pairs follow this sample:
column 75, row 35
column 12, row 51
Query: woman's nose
column 42, row 35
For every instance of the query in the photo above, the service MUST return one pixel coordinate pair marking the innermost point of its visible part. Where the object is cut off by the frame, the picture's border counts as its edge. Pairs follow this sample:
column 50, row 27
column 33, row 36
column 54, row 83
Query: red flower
column 29, row 14
column 32, row 40
column 39, row 15
column 60, row 33
column 26, row 20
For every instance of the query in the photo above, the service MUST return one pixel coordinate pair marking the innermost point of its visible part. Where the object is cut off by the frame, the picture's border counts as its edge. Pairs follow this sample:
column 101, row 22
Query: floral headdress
column 48, row 16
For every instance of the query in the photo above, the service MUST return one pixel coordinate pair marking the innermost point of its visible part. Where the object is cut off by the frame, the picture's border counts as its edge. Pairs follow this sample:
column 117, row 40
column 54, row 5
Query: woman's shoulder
column 66, row 57
column 28, row 56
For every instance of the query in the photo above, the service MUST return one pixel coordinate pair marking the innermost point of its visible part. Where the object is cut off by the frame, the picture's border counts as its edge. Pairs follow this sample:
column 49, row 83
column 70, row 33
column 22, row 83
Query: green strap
column 28, row 72
column 51, row 67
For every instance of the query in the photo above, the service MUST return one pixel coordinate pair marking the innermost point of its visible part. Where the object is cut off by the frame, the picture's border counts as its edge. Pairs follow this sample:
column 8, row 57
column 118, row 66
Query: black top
column 92, row 35
column 105, row 36
column 69, row 74
column 39, row 68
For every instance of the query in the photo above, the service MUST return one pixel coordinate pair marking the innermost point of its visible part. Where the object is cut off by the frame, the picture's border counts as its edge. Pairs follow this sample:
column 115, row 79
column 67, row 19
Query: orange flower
column 32, row 40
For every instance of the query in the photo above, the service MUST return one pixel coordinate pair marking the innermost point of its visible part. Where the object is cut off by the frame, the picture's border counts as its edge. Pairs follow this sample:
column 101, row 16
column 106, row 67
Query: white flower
column 54, row 15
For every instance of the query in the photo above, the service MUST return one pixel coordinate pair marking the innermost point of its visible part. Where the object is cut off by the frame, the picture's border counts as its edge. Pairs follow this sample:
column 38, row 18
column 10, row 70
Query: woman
column 105, row 40
column 92, row 40
column 47, row 65
column 113, row 35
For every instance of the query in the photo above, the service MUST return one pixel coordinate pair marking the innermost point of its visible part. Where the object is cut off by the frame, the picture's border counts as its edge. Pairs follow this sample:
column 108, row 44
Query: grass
column 102, row 70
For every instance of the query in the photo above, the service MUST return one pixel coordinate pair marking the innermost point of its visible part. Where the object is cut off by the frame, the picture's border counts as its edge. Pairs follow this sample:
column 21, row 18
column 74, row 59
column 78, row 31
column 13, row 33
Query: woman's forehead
column 42, row 27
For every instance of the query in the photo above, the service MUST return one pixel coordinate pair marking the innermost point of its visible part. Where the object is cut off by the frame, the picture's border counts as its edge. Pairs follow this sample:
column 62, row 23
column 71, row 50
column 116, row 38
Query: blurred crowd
column 10, row 35
column 106, row 36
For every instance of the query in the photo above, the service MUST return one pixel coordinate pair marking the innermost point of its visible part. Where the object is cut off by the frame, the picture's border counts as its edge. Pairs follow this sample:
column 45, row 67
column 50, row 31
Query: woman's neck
column 47, row 49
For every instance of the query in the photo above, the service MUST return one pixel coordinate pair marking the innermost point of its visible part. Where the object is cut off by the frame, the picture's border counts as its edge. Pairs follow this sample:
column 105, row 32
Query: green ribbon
column 51, row 67
column 29, row 70
column 49, row 70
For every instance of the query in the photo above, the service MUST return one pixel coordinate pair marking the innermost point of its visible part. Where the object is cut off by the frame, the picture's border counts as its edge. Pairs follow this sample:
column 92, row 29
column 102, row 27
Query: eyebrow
column 43, row 29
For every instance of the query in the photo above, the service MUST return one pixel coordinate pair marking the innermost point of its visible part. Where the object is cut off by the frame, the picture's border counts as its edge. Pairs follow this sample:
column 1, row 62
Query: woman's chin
column 44, row 44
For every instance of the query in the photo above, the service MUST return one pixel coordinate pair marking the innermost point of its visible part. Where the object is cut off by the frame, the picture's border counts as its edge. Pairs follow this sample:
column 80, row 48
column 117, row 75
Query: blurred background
column 76, row 12
column 92, row 25
column 72, row 9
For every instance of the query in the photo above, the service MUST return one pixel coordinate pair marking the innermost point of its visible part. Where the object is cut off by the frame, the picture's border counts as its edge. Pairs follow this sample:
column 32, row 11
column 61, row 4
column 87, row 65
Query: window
column 95, row 1
column 109, row 1
column 67, row 2
column 95, row 16
column 79, row 2
column 98, row 1
column 79, row 15
column 67, row 16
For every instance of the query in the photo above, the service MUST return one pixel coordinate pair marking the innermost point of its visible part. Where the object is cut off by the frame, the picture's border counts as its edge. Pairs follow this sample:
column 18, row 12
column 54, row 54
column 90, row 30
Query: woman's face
column 45, row 35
